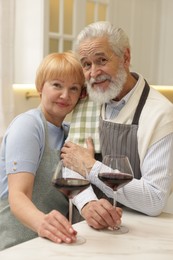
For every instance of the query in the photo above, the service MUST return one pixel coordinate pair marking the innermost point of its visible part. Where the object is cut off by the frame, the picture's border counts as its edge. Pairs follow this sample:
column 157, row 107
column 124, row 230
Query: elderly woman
column 29, row 205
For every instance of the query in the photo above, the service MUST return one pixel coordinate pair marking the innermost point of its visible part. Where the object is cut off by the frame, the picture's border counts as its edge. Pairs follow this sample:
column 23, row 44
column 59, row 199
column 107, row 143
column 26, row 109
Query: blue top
column 23, row 145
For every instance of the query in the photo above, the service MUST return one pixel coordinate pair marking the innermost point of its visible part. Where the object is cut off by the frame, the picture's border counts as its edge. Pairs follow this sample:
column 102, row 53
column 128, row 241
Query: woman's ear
column 40, row 93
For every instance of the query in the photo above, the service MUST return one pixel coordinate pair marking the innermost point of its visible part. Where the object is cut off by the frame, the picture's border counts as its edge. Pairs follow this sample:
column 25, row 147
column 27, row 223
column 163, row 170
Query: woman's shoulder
column 33, row 115
column 29, row 121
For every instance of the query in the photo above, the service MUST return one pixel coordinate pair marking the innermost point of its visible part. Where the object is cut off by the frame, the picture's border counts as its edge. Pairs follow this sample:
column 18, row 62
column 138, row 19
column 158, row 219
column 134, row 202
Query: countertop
column 149, row 238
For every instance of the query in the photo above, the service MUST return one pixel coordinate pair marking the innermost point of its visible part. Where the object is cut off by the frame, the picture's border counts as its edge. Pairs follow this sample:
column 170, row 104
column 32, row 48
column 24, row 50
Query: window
column 68, row 17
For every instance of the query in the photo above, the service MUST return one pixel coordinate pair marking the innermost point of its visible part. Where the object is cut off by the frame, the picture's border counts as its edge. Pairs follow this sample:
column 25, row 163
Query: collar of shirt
column 112, row 108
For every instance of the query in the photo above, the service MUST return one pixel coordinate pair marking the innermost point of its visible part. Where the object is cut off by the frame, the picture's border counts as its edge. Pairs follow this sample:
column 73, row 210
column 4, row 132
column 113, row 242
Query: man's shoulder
column 158, row 101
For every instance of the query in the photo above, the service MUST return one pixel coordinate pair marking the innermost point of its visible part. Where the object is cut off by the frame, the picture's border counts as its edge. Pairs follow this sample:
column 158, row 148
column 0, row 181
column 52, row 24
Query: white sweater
column 155, row 145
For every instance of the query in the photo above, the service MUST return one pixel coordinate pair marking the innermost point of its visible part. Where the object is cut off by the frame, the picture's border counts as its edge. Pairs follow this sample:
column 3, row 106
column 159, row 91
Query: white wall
column 28, row 49
column 165, row 50
column 29, row 39
column 148, row 24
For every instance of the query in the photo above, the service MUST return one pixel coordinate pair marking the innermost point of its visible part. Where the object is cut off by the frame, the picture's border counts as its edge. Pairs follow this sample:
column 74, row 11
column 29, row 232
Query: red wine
column 115, row 180
column 72, row 185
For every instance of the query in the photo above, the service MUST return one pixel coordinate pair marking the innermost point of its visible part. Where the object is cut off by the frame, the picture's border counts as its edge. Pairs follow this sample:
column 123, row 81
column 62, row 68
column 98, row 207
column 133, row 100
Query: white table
column 149, row 238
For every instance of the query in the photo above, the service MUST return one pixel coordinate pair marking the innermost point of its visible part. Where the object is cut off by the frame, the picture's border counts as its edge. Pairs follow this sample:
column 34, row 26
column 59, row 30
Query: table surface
column 148, row 238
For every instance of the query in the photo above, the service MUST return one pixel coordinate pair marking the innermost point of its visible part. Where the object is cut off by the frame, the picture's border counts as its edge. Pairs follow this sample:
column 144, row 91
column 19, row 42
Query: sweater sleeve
column 24, row 144
column 150, row 193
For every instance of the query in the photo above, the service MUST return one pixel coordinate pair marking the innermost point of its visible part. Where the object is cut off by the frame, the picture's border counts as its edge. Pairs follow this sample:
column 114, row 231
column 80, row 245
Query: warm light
column 28, row 90
column 24, row 87
column 159, row 87
column 167, row 91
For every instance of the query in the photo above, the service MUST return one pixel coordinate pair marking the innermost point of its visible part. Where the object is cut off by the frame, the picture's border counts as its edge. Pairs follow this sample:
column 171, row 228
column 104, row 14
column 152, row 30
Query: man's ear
column 83, row 93
column 127, row 58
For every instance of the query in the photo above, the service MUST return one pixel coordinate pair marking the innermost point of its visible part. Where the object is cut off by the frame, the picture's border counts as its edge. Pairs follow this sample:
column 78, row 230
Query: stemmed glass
column 70, row 183
column 116, row 172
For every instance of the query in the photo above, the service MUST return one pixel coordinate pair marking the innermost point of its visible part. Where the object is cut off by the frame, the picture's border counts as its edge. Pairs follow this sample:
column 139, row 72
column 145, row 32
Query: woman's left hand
column 56, row 228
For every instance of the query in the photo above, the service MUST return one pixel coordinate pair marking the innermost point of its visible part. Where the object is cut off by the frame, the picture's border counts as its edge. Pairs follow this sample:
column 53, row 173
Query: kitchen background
column 30, row 29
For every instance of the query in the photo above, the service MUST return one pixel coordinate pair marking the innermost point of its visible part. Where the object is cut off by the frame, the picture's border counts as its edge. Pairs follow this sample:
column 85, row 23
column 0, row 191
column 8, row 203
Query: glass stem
column 70, row 210
column 114, row 205
column 114, row 200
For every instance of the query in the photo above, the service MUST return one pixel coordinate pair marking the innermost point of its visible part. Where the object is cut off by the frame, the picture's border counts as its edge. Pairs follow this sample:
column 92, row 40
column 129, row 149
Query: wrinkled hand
column 101, row 214
column 74, row 155
column 56, row 227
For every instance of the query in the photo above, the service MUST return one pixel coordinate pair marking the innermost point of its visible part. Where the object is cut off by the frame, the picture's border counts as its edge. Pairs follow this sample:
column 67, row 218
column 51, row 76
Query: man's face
column 103, row 70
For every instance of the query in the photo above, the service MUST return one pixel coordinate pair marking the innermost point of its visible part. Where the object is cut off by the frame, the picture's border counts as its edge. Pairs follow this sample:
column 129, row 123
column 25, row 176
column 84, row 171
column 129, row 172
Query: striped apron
column 121, row 139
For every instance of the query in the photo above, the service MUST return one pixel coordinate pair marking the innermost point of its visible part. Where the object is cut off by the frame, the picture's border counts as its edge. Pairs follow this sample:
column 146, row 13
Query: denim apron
column 45, row 197
column 117, row 139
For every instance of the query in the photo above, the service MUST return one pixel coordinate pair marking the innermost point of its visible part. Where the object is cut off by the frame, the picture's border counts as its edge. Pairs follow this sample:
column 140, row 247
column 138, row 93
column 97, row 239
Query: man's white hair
column 117, row 38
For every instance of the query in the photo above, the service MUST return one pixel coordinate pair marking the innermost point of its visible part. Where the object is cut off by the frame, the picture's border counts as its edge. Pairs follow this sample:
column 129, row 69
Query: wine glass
column 70, row 183
column 116, row 172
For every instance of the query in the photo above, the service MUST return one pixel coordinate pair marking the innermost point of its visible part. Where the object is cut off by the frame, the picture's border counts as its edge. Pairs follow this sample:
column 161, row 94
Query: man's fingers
column 90, row 145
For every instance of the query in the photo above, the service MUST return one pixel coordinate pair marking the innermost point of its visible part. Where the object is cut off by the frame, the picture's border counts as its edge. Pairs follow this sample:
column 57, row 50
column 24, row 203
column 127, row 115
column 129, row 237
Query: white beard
column 113, row 91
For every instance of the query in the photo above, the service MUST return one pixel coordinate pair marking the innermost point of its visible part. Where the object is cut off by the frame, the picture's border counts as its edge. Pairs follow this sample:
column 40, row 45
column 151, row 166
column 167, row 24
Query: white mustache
column 115, row 86
column 99, row 79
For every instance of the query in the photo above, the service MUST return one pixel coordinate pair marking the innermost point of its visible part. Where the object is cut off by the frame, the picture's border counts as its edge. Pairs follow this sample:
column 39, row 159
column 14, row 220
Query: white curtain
column 7, row 8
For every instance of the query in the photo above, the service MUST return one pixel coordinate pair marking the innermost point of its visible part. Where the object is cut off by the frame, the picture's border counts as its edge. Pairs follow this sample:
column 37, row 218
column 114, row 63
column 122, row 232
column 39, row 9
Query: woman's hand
column 74, row 155
column 53, row 225
column 101, row 214
column 57, row 228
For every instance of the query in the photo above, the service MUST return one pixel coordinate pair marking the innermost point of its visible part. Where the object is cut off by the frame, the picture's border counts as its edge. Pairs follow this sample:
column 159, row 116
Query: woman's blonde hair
column 58, row 66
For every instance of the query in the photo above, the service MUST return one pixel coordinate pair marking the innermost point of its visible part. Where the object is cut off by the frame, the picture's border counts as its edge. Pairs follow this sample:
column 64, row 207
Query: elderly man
column 128, row 116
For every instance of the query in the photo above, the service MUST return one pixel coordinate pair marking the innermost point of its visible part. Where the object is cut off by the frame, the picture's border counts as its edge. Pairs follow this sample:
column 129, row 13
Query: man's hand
column 74, row 155
column 101, row 214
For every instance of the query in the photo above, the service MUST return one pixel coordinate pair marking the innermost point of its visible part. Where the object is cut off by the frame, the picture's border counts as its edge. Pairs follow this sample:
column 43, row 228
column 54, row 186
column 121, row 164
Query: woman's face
column 58, row 98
